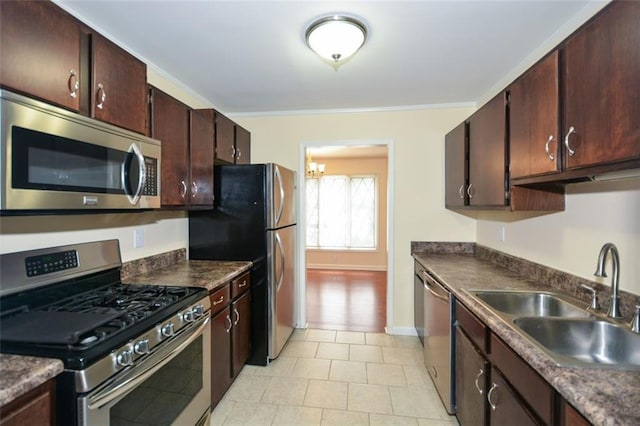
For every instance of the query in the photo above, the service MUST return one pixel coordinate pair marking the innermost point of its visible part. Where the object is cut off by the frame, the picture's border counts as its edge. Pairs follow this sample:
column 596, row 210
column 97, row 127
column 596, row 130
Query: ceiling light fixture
column 336, row 38
column 314, row 170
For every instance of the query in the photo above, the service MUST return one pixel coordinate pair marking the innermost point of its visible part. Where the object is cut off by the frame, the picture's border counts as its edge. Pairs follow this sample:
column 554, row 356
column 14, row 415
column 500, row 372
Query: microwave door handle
column 133, row 199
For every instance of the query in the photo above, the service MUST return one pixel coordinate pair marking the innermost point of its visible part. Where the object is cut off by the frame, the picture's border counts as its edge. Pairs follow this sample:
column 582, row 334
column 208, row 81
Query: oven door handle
column 119, row 388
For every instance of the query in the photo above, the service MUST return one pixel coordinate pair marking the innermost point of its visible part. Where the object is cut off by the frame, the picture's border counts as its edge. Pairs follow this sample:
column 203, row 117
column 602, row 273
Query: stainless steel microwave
column 54, row 159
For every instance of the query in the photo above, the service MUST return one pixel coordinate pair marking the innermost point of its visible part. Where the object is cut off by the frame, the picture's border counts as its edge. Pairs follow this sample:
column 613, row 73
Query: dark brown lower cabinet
column 230, row 333
column 505, row 407
column 240, row 333
column 471, row 382
column 36, row 407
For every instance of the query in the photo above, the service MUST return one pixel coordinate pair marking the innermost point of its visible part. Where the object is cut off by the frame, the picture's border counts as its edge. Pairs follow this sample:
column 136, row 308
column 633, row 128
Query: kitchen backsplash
column 148, row 264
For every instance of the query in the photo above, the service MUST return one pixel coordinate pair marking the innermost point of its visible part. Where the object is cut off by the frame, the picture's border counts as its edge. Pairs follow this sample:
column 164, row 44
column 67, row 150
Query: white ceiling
column 251, row 57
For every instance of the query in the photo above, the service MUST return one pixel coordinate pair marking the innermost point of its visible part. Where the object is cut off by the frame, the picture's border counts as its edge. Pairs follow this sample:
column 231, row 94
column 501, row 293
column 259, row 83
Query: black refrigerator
column 254, row 219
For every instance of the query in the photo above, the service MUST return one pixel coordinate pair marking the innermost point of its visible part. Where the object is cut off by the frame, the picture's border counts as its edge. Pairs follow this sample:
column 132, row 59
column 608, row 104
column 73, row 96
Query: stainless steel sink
column 584, row 342
column 531, row 303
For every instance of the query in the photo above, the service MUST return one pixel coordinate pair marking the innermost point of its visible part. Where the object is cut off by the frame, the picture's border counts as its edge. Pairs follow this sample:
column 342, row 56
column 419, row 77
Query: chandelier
column 314, row 169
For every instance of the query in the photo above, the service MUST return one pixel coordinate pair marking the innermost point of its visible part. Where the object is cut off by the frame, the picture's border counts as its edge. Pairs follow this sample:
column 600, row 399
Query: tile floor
column 325, row 377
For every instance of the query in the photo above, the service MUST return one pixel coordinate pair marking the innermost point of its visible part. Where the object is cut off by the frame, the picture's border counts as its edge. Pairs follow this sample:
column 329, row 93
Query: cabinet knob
column 74, row 84
column 546, row 148
column 101, row 95
column 566, row 140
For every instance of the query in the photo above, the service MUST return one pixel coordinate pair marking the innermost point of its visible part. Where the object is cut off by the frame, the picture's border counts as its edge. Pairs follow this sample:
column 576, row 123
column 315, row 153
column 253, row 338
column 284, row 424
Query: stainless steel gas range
column 133, row 354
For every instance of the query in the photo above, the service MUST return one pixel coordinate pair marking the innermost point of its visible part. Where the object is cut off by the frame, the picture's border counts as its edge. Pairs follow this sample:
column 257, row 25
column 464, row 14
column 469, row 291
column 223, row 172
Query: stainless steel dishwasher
column 439, row 342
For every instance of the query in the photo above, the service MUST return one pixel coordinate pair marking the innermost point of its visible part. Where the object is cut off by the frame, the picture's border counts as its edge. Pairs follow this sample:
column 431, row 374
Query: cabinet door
column 242, row 145
column 602, row 88
column 225, row 149
column 170, row 124
column 487, row 143
column 471, row 382
column 40, row 52
column 504, row 406
column 33, row 408
column 119, row 94
column 201, row 141
column 456, row 173
column 221, row 325
column 241, row 332
column 534, row 120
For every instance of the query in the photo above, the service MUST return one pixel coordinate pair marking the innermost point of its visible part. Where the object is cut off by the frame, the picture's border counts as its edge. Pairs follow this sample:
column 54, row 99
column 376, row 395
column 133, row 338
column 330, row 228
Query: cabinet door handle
column 233, row 152
column 491, row 404
column 566, row 140
column 74, row 84
column 546, row 148
column 230, row 324
column 219, row 301
column 194, row 192
column 469, row 191
column 460, row 193
column 102, row 95
column 435, row 371
column 183, row 186
column 235, row 311
column 480, row 391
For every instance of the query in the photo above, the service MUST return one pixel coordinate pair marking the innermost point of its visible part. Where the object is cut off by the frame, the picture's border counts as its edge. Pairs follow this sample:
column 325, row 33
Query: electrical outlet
column 138, row 238
column 501, row 233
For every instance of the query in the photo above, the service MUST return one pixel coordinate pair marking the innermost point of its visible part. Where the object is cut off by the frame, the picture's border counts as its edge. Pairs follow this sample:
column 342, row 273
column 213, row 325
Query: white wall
column 596, row 213
column 418, row 142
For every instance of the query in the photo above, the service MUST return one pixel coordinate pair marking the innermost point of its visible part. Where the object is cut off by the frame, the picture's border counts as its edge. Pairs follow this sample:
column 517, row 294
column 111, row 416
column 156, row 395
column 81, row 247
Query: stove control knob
column 125, row 358
column 198, row 311
column 167, row 330
column 187, row 316
column 141, row 347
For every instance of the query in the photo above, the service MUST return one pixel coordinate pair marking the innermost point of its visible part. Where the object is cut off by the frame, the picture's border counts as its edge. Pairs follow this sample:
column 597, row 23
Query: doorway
column 345, row 269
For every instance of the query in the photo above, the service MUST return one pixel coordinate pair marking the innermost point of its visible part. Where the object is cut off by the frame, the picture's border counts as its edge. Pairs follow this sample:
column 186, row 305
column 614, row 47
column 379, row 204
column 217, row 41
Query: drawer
column 220, row 299
column 533, row 388
column 472, row 326
column 240, row 284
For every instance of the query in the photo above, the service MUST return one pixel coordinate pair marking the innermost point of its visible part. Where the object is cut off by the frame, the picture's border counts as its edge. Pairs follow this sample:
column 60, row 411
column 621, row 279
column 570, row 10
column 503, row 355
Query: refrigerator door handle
column 281, row 186
column 282, row 262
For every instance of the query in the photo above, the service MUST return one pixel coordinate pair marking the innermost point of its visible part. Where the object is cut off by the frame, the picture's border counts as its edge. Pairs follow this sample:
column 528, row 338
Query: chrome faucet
column 614, row 307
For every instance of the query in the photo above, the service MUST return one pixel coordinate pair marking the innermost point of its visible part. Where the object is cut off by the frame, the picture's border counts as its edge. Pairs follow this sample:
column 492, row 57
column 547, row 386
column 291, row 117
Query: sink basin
column 584, row 342
column 530, row 304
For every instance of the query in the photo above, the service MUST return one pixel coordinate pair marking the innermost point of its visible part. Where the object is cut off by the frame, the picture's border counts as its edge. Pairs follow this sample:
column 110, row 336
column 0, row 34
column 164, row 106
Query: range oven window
column 164, row 396
column 48, row 162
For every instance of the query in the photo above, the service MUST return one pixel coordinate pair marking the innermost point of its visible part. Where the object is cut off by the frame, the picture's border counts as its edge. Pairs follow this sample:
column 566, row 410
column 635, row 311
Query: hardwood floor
column 347, row 300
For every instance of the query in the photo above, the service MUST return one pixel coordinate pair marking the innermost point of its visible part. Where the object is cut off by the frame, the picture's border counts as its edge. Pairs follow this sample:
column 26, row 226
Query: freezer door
column 281, row 196
column 281, row 260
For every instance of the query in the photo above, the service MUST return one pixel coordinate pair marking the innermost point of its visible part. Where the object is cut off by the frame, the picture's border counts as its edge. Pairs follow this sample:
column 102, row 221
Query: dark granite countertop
column 209, row 274
column 603, row 396
column 19, row 374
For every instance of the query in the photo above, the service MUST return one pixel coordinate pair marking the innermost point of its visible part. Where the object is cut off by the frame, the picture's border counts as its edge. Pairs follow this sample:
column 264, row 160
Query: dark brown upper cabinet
column 170, row 124
column 242, row 145
column 601, row 99
column 119, row 86
column 233, row 142
column 487, row 149
column 456, row 167
column 534, row 126
column 225, row 140
column 201, row 147
column 40, row 52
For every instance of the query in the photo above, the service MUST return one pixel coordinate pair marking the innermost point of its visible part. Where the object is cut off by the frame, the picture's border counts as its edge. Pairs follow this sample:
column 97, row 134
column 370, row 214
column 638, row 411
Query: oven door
column 173, row 386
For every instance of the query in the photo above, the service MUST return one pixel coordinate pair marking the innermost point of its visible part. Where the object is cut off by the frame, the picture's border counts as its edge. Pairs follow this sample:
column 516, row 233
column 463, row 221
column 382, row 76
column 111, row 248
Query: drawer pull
column 243, row 284
column 219, row 301
column 476, row 381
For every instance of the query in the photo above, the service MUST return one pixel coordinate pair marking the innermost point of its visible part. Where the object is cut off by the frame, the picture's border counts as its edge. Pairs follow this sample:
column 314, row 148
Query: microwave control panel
column 151, row 184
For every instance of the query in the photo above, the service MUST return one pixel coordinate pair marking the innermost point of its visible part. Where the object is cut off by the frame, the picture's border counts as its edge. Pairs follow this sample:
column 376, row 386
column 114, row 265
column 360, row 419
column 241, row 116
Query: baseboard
column 348, row 267
column 401, row 331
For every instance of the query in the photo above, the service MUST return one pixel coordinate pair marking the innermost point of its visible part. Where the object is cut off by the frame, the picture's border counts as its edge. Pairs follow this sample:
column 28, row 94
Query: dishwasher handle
column 431, row 285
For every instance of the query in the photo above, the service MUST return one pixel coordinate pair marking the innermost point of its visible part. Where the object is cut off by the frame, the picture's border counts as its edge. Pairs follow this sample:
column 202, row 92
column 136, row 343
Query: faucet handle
column 593, row 305
column 635, row 322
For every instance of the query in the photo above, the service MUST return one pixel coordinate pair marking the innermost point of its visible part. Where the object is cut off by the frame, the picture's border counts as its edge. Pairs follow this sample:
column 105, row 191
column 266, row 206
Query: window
column 341, row 212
